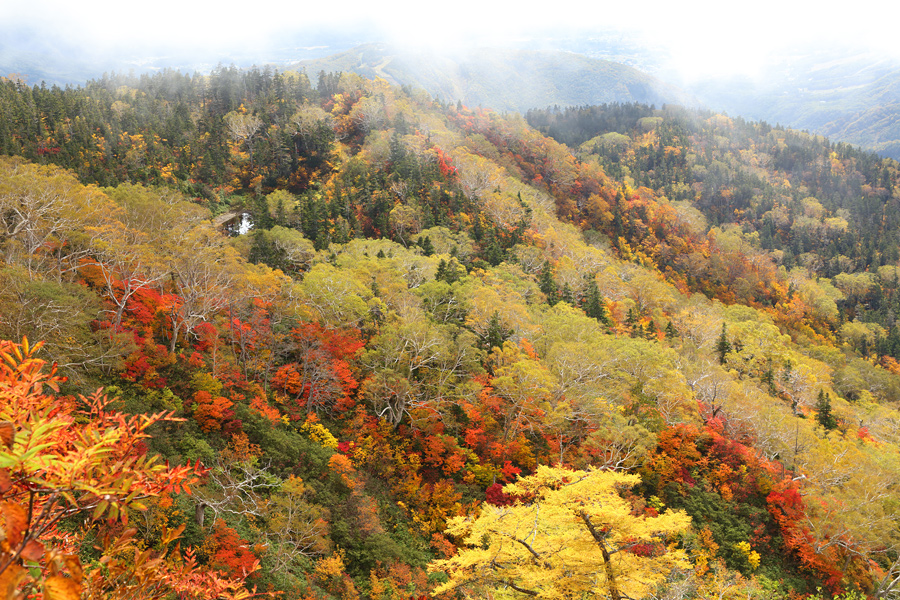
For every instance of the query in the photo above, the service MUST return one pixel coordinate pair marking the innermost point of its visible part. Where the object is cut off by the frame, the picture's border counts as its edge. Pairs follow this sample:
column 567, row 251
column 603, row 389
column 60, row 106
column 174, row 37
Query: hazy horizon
column 688, row 42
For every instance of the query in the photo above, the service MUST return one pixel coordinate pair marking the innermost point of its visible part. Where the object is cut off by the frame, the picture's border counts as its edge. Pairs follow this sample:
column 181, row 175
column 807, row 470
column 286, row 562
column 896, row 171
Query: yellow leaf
column 73, row 564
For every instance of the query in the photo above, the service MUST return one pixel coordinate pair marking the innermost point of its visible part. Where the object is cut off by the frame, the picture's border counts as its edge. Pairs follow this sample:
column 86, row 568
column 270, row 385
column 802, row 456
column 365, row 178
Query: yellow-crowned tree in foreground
column 569, row 534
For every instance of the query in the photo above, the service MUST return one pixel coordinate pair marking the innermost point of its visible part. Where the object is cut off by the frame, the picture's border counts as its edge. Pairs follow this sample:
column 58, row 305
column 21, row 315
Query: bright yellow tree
column 570, row 534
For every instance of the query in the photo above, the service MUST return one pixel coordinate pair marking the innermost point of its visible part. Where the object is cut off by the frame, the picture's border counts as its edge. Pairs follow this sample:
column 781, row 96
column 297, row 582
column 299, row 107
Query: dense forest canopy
column 441, row 320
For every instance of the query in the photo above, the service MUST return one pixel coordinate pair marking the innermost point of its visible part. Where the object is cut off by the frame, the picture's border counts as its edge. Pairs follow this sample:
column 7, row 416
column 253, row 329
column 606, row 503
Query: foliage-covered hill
column 433, row 305
column 840, row 92
column 503, row 79
column 876, row 123
column 784, row 192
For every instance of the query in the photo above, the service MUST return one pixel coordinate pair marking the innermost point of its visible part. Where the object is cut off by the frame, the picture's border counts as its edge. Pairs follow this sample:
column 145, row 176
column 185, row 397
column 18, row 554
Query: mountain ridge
column 503, row 79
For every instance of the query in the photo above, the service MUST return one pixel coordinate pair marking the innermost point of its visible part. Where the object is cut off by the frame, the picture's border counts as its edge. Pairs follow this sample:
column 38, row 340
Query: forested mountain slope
column 818, row 208
column 435, row 302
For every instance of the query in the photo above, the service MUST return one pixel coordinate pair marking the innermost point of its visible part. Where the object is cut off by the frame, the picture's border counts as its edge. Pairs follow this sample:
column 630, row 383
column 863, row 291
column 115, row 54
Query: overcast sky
column 703, row 37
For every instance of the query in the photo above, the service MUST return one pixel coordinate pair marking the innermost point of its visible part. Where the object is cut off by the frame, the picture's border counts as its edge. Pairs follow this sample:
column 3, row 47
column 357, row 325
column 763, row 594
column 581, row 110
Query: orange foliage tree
column 211, row 410
column 232, row 556
column 702, row 468
column 62, row 458
column 321, row 379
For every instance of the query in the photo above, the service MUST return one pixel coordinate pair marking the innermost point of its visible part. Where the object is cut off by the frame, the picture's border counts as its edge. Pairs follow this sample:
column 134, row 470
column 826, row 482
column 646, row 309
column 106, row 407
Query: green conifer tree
column 594, row 305
column 427, row 246
column 824, row 415
column 632, row 321
column 496, row 333
column 567, row 295
column 547, row 284
column 441, row 273
column 671, row 332
column 723, row 346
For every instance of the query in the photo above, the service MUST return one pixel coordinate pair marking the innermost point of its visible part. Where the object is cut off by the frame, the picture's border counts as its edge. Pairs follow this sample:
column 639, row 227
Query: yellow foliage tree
column 569, row 535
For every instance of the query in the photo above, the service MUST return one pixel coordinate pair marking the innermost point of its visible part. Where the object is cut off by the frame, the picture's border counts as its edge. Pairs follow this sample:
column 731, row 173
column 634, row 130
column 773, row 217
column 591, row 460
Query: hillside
column 840, row 92
column 691, row 318
column 876, row 123
column 502, row 79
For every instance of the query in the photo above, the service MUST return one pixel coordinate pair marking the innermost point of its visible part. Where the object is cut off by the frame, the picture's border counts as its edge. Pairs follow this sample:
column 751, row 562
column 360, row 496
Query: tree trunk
column 604, row 551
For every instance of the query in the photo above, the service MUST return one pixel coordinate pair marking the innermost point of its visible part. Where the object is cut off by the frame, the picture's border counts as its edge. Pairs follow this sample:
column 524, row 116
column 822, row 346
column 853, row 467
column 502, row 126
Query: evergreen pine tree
column 496, row 334
column 427, row 246
column 631, row 320
column 671, row 332
column 594, row 306
column 547, row 285
column 823, row 415
column 448, row 271
column 493, row 254
column 567, row 295
column 768, row 378
column 441, row 273
column 723, row 346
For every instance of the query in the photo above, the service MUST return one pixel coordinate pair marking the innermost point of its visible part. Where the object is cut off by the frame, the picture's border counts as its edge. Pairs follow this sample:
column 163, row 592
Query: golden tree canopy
column 570, row 534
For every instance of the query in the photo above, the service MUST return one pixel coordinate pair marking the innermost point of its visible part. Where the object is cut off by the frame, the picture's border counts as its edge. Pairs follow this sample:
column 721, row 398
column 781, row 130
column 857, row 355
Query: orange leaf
column 61, row 588
column 33, row 551
column 10, row 579
column 5, row 481
column 13, row 524
column 73, row 564
column 7, row 433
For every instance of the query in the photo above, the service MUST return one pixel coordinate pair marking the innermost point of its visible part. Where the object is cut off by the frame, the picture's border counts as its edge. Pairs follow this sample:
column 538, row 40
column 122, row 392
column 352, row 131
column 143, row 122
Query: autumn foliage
column 444, row 333
column 63, row 457
column 322, row 379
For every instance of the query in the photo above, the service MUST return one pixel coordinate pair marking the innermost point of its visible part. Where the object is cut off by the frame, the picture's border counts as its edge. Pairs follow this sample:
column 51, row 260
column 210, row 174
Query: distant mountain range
column 37, row 56
column 843, row 93
column 504, row 79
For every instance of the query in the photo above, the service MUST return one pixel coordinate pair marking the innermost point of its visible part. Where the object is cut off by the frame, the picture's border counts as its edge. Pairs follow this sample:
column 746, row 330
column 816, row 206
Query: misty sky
column 703, row 38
